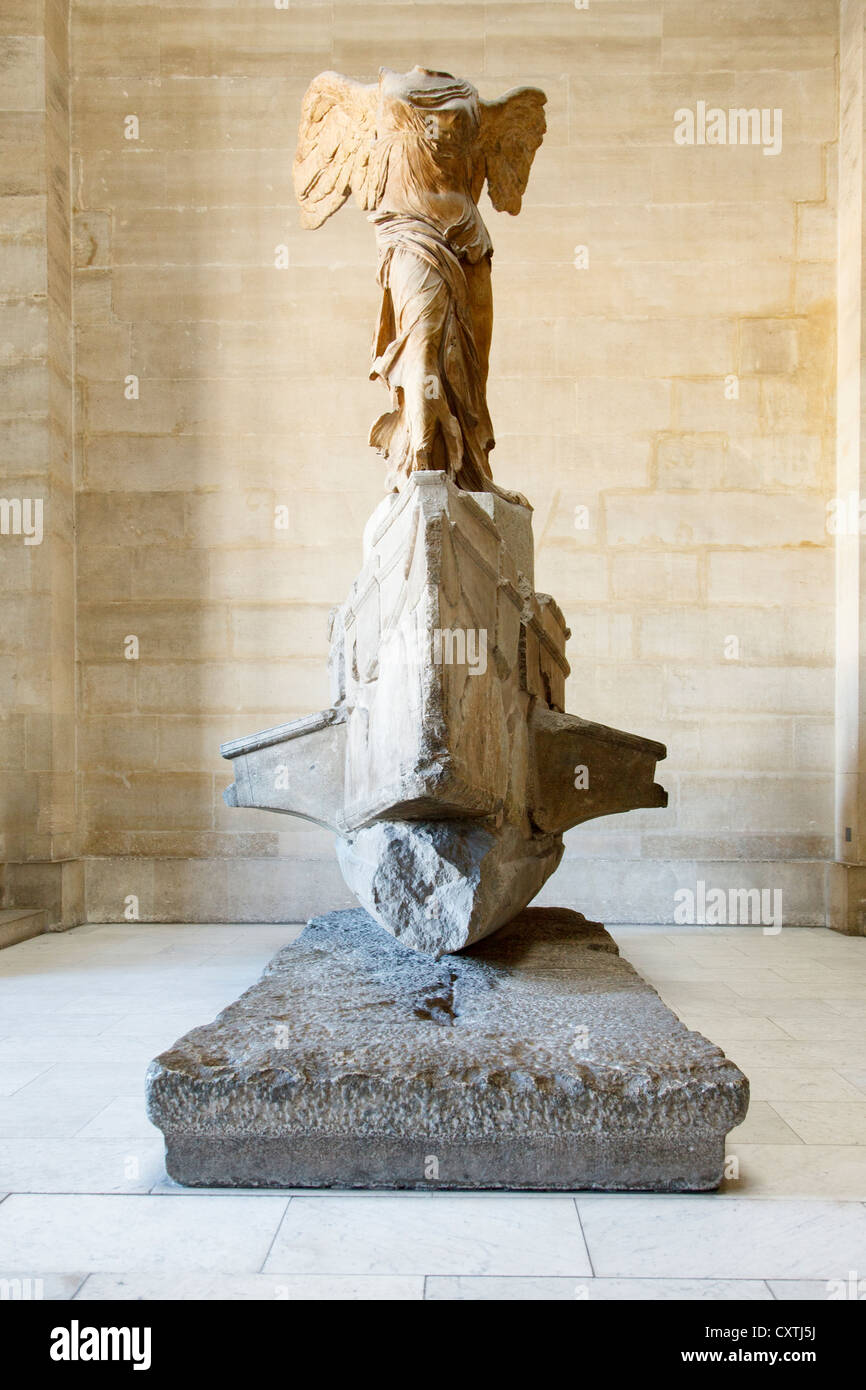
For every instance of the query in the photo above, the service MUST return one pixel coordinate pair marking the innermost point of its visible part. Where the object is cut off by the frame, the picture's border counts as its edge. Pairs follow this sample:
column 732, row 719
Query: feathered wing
column 334, row 138
column 512, row 129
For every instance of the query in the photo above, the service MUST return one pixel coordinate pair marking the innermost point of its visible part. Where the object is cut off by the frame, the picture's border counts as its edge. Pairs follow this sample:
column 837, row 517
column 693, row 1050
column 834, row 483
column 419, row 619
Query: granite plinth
column 537, row 1058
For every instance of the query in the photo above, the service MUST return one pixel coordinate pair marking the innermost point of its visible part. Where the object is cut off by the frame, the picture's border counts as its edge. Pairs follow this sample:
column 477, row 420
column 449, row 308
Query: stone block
column 437, row 886
column 537, row 1059
column 446, row 763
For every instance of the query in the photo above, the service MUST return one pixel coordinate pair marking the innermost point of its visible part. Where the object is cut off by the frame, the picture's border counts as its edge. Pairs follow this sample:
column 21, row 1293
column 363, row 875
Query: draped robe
column 416, row 148
column 432, row 338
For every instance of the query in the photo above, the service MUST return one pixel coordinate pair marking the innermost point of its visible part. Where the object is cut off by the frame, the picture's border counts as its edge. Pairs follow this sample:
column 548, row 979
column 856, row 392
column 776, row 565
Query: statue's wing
column 512, row 129
column 334, row 137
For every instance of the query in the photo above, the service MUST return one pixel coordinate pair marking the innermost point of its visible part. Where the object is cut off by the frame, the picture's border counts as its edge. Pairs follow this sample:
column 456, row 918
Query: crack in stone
column 440, row 1005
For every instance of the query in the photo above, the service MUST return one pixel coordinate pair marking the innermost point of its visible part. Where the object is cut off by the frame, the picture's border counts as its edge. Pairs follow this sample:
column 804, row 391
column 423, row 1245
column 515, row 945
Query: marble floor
column 87, row 1211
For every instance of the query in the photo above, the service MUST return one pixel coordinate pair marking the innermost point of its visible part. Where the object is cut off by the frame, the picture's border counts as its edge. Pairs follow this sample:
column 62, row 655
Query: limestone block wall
column 681, row 508
column 849, row 881
column 38, row 821
column 662, row 389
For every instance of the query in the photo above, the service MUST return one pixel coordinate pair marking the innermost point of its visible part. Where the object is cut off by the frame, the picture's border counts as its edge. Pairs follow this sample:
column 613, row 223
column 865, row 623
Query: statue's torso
column 425, row 149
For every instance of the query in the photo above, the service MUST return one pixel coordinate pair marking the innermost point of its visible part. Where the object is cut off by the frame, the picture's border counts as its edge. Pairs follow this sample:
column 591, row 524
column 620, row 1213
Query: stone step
column 20, row 923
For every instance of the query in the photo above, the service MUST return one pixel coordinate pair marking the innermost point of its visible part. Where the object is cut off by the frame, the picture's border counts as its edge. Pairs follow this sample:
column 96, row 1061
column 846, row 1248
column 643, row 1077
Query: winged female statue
column 415, row 149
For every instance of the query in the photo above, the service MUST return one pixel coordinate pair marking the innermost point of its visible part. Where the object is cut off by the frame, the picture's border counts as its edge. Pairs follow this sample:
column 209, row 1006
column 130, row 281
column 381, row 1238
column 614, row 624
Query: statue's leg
column 421, row 301
column 477, row 318
column 478, row 281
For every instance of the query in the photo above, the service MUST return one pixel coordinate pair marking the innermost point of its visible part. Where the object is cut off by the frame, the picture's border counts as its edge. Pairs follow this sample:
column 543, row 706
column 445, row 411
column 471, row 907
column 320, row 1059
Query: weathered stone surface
column 581, row 770
column 296, row 768
column 428, row 654
column 535, row 1059
column 448, row 681
column 437, row 886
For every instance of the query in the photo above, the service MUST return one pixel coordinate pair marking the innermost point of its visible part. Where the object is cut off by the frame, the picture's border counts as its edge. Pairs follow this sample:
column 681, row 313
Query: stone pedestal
column 537, row 1058
column 446, row 764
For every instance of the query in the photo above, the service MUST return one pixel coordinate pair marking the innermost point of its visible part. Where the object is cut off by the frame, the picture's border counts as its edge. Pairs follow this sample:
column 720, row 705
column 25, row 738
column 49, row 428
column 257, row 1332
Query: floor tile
column 852, row 1006
column 594, row 1290
column 124, row 1118
column 684, row 995
column 430, row 1234
column 279, row 1288
column 25, row 1115
column 58, row 1233
column 798, row 1170
column 801, row 1084
column 731, row 1024
column 15, row 1073
column 764, row 1125
column 727, row 1238
column 827, row 1028
column 39, row 1164
column 822, row 1122
column 793, row 1054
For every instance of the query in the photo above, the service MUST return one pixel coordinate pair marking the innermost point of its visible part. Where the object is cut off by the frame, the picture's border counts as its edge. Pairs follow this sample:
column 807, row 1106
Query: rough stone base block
column 537, row 1058
column 438, row 886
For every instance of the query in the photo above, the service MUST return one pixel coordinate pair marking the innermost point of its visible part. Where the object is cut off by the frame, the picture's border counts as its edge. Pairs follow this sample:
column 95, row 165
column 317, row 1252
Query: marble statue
column 415, row 148
column 445, row 764
column 443, row 1034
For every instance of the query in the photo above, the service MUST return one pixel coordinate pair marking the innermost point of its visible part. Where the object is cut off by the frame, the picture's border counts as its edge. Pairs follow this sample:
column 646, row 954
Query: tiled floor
column 90, row 1212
